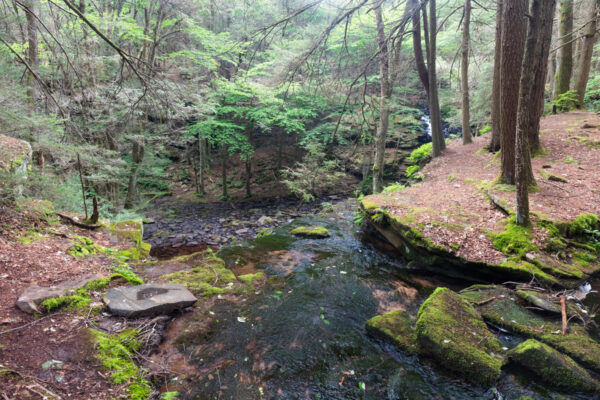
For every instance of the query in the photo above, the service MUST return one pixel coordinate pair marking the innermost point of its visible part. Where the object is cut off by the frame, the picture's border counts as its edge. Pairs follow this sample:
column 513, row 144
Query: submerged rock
column 452, row 332
column 397, row 327
column 35, row 295
column 148, row 300
column 553, row 367
column 317, row 232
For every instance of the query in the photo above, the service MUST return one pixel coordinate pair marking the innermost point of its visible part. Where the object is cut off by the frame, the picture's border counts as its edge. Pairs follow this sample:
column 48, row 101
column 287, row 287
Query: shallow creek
column 302, row 335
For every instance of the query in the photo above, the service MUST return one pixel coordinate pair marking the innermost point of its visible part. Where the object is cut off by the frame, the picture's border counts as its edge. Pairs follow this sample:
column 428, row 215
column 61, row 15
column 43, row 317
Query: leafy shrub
column 421, row 153
column 411, row 171
column 314, row 175
column 566, row 101
column 485, row 129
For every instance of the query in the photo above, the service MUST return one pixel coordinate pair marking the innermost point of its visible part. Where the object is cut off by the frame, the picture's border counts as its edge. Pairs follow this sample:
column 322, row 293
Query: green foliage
column 411, row 171
column 394, row 188
column 485, row 129
column 116, row 353
column 592, row 93
column 582, row 225
column 314, row 175
column 421, row 153
column 566, row 101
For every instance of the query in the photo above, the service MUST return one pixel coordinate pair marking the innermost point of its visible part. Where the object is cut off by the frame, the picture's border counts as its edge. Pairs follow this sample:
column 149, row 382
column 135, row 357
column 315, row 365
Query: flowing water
column 302, row 335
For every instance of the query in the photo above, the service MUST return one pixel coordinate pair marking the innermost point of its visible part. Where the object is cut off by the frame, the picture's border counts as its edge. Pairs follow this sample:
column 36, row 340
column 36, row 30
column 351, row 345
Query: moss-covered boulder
column 451, row 331
column 398, row 327
column 132, row 231
column 15, row 154
column 315, row 232
column 502, row 307
column 553, row 367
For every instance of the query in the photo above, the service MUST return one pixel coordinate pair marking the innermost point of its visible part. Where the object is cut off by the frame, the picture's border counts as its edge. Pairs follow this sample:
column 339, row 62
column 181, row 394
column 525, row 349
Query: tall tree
column 539, row 83
column 32, row 49
column 565, row 62
column 437, row 135
column 533, row 50
column 585, row 61
column 464, row 74
column 494, row 145
column 427, row 75
column 514, row 28
column 385, row 93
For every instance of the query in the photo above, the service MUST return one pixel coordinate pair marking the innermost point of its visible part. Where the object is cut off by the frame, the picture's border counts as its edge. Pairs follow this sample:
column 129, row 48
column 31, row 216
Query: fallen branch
column 499, row 203
column 563, row 310
column 73, row 221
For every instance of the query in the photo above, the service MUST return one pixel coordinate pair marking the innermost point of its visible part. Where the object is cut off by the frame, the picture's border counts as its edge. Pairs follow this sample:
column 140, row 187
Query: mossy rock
column 452, row 332
column 582, row 224
column 398, row 327
column 551, row 177
column 500, row 307
column 37, row 210
column 83, row 247
column 132, row 230
column 552, row 367
column 316, row 232
column 15, row 154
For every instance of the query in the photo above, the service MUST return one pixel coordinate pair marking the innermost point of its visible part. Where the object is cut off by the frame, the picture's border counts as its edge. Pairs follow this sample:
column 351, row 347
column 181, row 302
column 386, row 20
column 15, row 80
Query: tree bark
column 514, row 28
column 588, row 49
column 464, row 75
column 539, row 83
column 417, row 47
column 137, row 157
column 32, row 51
column 224, row 196
column 437, row 136
column 201, row 163
column 523, row 170
column 565, row 67
column 384, row 106
column 494, row 145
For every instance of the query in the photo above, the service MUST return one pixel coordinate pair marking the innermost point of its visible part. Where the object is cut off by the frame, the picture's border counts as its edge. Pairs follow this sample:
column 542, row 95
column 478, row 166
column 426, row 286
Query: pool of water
column 302, row 336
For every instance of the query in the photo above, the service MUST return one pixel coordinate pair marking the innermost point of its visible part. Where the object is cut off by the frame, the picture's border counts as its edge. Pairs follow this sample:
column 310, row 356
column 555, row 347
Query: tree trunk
column 539, row 83
column 494, row 145
column 437, row 135
column 137, row 156
column 533, row 50
column 586, row 54
column 32, row 51
column 201, row 163
column 565, row 67
column 464, row 75
column 248, row 163
column 384, row 107
column 514, row 28
column 224, row 196
column 417, row 47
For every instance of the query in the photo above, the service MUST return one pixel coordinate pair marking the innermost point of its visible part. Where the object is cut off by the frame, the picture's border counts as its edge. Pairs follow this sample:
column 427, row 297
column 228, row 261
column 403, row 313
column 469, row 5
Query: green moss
column 133, row 231
column 525, row 270
column 551, row 177
column 583, row 223
column 397, row 327
column 38, row 210
column 74, row 302
column 83, row 246
column 29, row 237
column 498, row 305
column 115, row 353
column 250, row 278
column 552, row 367
column 514, row 240
column 311, row 231
column 368, row 204
column 449, row 329
column 207, row 278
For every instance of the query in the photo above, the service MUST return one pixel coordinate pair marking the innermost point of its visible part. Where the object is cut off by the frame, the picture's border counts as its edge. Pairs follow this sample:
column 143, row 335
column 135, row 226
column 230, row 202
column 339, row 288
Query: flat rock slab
column 148, row 300
column 34, row 295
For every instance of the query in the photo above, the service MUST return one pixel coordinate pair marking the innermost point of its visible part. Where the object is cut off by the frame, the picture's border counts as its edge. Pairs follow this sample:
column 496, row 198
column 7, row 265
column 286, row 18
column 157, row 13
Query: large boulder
column 148, row 300
column 554, row 368
column 35, row 295
column 502, row 307
column 15, row 154
column 451, row 331
column 397, row 327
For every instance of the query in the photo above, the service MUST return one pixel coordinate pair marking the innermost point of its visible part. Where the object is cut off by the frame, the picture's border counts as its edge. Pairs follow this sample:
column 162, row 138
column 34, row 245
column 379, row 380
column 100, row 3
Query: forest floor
column 452, row 205
column 34, row 252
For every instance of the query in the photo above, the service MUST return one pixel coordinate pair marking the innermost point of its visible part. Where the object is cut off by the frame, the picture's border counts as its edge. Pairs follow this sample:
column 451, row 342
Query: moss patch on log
column 317, row 232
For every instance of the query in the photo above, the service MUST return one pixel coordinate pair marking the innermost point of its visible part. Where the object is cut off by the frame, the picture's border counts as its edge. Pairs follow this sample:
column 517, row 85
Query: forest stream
column 302, row 335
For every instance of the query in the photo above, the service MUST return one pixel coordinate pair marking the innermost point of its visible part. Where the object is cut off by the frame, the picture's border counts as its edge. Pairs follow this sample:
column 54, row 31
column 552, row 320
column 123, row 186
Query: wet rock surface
column 193, row 226
column 34, row 295
column 148, row 300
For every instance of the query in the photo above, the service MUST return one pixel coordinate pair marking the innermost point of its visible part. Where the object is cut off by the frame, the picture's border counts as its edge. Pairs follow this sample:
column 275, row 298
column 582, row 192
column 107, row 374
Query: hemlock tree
column 565, row 55
column 494, row 145
column 464, row 75
column 514, row 30
column 585, row 60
